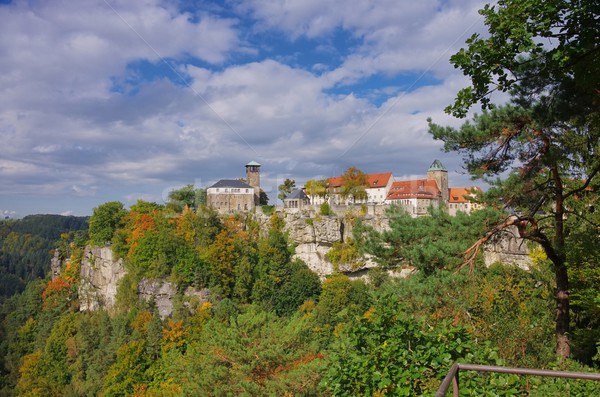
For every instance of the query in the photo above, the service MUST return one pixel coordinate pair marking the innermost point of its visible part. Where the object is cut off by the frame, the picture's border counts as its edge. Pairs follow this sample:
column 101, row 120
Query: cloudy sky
column 104, row 100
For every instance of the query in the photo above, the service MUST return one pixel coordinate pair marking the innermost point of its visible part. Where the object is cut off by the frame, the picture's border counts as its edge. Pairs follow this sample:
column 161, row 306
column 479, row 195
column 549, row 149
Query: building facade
column 230, row 195
column 296, row 200
column 253, row 179
column 415, row 196
column 461, row 200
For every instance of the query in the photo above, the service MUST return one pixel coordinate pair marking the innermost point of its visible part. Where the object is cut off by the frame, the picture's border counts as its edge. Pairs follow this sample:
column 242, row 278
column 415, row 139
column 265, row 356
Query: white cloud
column 67, row 135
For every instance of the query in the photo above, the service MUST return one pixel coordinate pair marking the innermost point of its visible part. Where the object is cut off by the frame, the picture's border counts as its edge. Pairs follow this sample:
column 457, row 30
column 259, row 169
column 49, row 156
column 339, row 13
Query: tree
column 145, row 207
column 548, row 137
column 286, row 188
column 354, row 184
column 559, row 39
column 186, row 196
column 263, row 199
column 315, row 188
column 388, row 353
column 429, row 243
column 105, row 220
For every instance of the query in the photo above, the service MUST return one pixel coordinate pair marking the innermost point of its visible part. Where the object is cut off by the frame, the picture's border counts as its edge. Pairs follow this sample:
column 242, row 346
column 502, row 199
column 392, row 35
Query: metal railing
column 453, row 378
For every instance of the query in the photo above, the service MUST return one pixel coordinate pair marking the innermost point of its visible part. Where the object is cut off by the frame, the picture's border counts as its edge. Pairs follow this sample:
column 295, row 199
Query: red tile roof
column 374, row 180
column 419, row 188
column 460, row 194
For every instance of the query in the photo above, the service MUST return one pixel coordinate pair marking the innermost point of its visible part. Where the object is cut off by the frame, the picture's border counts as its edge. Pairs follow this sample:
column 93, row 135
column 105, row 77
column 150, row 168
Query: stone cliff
column 100, row 274
column 312, row 235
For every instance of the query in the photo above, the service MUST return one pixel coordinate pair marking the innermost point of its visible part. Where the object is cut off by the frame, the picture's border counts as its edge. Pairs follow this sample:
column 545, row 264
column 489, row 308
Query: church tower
column 253, row 179
column 439, row 174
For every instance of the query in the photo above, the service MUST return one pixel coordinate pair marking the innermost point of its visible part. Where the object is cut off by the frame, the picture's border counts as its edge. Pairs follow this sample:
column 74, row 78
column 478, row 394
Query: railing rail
column 453, row 375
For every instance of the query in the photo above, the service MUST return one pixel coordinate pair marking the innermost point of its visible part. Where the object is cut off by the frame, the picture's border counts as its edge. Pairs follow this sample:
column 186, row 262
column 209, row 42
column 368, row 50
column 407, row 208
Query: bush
column 268, row 209
column 325, row 209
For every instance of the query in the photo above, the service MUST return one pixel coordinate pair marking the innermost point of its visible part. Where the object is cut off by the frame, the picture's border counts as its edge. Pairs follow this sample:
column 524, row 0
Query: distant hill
column 26, row 247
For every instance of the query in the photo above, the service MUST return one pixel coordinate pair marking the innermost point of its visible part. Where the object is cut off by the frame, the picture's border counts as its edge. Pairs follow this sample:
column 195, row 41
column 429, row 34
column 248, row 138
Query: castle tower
column 439, row 174
column 253, row 179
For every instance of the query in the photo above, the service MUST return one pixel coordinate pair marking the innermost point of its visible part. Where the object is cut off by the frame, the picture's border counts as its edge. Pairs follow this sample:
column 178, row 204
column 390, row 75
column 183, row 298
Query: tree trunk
column 563, row 345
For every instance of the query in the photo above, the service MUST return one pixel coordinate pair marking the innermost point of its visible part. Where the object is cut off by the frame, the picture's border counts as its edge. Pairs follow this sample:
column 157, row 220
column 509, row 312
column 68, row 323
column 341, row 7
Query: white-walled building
column 415, row 196
column 230, row 195
column 461, row 200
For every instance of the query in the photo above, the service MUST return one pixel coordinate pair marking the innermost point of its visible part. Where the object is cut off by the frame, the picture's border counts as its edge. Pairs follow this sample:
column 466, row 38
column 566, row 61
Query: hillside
column 27, row 245
column 246, row 316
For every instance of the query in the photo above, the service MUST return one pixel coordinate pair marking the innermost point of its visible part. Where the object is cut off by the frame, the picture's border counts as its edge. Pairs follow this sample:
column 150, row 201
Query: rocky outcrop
column 55, row 265
column 100, row 274
column 508, row 248
column 163, row 293
column 313, row 236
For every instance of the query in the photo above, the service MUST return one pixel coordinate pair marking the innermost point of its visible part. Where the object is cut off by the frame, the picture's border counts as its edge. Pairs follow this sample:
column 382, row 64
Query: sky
column 121, row 100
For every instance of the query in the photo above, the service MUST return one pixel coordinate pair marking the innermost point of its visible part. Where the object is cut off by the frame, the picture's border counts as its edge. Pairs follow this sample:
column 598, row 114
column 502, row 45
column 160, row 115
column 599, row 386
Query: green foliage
column 263, row 198
column 549, row 136
column 378, row 276
column 315, row 188
column 341, row 300
column 268, row 209
column 557, row 38
column 345, row 255
column 388, row 353
column 354, row 184
column 286, row 188
column 256, row 353
column 26, row 247
column 187, row 196
column 325, row 209
column 430, row 243
column 105, row 220
column 272, row 328
column 301, row 285
column 145, row 207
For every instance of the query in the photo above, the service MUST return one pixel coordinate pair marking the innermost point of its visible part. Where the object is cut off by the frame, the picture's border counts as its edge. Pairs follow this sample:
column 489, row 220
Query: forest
column 272, row 327
column 27, row 245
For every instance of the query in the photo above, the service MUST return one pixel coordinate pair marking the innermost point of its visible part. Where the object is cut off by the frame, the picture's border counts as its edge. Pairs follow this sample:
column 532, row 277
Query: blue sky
column 125, row 100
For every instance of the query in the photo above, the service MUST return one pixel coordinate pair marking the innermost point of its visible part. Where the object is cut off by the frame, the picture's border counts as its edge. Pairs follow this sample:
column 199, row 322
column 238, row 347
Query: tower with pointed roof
column 253, row 179
column 439, row 174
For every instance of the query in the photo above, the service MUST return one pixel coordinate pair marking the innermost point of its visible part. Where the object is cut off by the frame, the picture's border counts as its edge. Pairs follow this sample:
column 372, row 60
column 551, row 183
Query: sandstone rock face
column 100, row 274
column 314, row 235
column 55, row 265
column 509, row 249
column 161, row 291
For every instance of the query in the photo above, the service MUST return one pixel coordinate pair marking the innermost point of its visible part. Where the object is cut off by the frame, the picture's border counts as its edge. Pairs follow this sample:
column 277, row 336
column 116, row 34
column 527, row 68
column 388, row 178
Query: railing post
column 451, row 377
column 455, row 382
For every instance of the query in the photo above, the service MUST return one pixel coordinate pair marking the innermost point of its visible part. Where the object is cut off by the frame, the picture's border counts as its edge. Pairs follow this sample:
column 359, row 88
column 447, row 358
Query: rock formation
column 100, row 274
column 312, row 235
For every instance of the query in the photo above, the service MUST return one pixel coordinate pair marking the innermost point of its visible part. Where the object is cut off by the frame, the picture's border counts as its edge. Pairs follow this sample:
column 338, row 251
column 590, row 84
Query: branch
column 471, row 254
column 521, row 223
column 595, row 171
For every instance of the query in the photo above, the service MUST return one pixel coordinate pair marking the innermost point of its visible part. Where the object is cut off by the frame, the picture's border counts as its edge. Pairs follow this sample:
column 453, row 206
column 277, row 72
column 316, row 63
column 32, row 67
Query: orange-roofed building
column 377, row 189
column 460, row 199
column 415, row 196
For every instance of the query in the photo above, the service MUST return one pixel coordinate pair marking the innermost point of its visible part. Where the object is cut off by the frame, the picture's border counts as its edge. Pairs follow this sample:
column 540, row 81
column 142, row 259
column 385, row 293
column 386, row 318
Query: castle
column 415, row 196
column 234, row 195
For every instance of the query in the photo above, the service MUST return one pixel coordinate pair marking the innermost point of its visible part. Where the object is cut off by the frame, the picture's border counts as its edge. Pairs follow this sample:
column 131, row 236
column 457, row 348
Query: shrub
column 325, row 209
